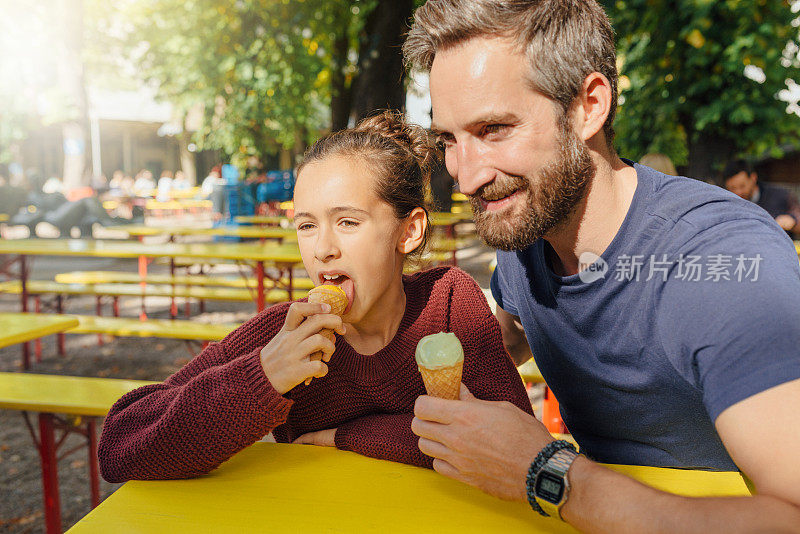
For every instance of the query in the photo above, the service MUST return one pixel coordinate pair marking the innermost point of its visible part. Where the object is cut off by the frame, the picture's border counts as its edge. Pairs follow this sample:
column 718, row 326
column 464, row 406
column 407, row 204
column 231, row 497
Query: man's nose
column 468, row 166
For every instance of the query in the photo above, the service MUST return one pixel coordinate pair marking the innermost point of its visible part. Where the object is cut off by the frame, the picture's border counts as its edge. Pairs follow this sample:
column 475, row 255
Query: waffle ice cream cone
column 330, row 294
column 338, row 301
column 440, row 359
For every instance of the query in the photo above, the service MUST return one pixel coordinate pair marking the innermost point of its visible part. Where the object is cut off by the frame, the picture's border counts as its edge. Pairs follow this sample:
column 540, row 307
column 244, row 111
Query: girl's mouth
column 344, row 282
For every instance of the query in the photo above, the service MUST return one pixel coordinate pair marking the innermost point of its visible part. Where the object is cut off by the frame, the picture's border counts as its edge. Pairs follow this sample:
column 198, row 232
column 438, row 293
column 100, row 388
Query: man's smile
column 498, row 203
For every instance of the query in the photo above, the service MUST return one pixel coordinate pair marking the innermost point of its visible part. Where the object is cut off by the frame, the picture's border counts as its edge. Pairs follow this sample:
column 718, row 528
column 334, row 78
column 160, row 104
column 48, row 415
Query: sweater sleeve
column 383, row 436
column 218, row 404
column 489, row 372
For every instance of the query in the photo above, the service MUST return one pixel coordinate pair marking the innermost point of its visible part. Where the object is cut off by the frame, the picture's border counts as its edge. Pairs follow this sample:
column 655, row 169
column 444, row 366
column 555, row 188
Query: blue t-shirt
column 698, row 308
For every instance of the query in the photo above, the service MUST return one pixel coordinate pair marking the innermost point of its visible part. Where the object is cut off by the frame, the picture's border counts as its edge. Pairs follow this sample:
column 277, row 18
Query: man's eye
column 305, row 226
column 348, row 223
column 490, row 129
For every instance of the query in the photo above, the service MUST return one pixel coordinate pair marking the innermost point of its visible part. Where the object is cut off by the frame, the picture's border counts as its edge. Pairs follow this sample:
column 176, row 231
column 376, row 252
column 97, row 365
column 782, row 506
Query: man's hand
column 323, row 438
column 487, row 444
column 293, row 354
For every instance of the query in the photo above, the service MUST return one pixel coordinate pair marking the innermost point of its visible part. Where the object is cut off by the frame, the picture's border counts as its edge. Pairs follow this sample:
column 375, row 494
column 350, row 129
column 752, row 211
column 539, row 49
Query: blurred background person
column 740, row 178
column 659, row 162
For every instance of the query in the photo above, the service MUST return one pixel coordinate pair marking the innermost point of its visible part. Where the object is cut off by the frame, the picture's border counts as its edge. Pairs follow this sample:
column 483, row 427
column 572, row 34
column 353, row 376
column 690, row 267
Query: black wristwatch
column 551, row 487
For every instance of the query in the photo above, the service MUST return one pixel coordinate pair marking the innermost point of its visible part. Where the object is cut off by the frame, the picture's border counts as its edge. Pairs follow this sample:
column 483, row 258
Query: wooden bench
column 164, row 328
column 81, row 400
column 106, row 277
column 37, row 288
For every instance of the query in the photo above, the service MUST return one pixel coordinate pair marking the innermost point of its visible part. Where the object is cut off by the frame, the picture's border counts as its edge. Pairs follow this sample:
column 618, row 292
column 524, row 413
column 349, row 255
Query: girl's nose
column 326, row 247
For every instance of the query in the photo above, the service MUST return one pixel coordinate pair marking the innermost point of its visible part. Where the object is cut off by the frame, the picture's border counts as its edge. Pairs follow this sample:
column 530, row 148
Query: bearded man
column 662, row 312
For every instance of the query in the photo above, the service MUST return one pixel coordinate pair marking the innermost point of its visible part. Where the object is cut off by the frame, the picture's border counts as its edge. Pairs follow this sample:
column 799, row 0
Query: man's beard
column 560, row 186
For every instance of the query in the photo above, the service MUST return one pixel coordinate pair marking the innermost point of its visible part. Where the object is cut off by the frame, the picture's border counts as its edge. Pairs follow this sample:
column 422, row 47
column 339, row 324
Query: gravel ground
column 139, row 358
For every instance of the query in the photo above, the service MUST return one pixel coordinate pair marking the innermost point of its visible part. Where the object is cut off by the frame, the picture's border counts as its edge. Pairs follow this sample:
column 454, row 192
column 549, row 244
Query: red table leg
column 173, row 307
column 60, row 309
column 261, row 300
column 23, row 279
column 47, row 453
column 37, row 344
column 94, row 470
column 99, row 310
column 143, row 283
column 291, row 282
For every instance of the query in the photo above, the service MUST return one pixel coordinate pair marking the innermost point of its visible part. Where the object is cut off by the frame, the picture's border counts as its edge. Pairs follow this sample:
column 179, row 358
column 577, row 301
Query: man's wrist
column 581, row 470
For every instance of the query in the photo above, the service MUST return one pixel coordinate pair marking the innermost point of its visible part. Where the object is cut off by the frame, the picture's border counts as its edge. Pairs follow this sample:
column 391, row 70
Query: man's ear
column 593, row 105
column 412, row 231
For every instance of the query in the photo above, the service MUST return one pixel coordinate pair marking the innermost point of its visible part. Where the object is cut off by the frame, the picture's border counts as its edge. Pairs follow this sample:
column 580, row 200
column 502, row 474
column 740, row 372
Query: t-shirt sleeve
column 735, row 332
column 500, row 285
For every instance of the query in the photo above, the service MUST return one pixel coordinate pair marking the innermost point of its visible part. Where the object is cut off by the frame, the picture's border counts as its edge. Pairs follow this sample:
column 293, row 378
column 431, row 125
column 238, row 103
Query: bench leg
column 49, row 462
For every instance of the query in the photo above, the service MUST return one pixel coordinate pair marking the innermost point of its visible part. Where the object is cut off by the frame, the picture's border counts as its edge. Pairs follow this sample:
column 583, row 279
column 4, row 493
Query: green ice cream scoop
column 439, row 350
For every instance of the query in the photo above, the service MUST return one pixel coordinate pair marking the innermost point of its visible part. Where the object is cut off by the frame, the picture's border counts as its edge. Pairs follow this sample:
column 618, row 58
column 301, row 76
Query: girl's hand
column 286, row 359
column 323, row 438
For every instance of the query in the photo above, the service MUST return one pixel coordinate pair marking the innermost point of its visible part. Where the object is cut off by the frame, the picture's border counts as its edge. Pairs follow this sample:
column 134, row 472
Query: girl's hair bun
column 413, row 138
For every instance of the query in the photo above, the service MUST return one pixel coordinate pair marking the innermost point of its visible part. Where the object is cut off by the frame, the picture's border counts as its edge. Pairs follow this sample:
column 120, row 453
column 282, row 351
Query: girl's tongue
column 349, row 289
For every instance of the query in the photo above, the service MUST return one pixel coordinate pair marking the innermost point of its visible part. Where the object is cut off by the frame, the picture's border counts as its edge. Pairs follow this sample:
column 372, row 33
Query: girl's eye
column 305, row 226
column 348, row 223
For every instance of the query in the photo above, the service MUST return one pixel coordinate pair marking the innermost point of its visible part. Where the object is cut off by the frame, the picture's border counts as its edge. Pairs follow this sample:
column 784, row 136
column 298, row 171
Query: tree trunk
column 381, row 76
column 707, row 154
column 74, row 130
column 187, row 157
column 341, row 91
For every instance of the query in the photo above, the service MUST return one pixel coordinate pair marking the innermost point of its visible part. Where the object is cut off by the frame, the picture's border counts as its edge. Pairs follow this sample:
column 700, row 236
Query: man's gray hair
column 564, row 40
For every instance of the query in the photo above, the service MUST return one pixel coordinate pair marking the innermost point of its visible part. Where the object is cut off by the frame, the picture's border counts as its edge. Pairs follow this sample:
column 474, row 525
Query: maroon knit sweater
column 222, row 402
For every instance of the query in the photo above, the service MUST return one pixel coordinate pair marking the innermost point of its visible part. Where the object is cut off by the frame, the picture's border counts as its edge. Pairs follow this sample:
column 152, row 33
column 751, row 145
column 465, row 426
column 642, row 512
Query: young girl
column 359, row 211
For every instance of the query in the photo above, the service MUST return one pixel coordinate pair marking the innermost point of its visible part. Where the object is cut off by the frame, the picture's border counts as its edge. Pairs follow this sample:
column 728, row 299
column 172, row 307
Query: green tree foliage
column 684, row 88
column 268, row 73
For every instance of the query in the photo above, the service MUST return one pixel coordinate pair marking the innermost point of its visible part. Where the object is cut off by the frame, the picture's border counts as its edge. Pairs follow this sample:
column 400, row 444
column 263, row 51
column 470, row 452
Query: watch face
column 549, row 487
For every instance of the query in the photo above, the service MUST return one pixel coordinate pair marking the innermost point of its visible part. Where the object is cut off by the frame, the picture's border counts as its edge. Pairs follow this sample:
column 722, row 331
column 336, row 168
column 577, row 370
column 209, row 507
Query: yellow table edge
column 351, row 493
column 53, row 324
column 73, row 395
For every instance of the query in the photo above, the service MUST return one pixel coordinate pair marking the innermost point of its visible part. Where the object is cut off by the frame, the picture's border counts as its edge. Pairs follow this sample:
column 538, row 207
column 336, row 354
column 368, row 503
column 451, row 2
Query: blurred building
column 129, row 131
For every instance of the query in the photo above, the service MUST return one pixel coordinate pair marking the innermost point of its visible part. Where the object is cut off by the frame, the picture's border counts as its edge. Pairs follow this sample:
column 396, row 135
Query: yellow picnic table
column 21, row 327
column 274, row 487
column 3, row 217
column 247, row 232
column 284, row 257
column 275, row 220
column 81, row 399
column 444, row 218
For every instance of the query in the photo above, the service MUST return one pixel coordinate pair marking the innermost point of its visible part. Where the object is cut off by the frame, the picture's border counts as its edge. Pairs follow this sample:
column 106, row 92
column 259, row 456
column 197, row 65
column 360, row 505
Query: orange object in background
column 79, row 193
column 551, row 415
